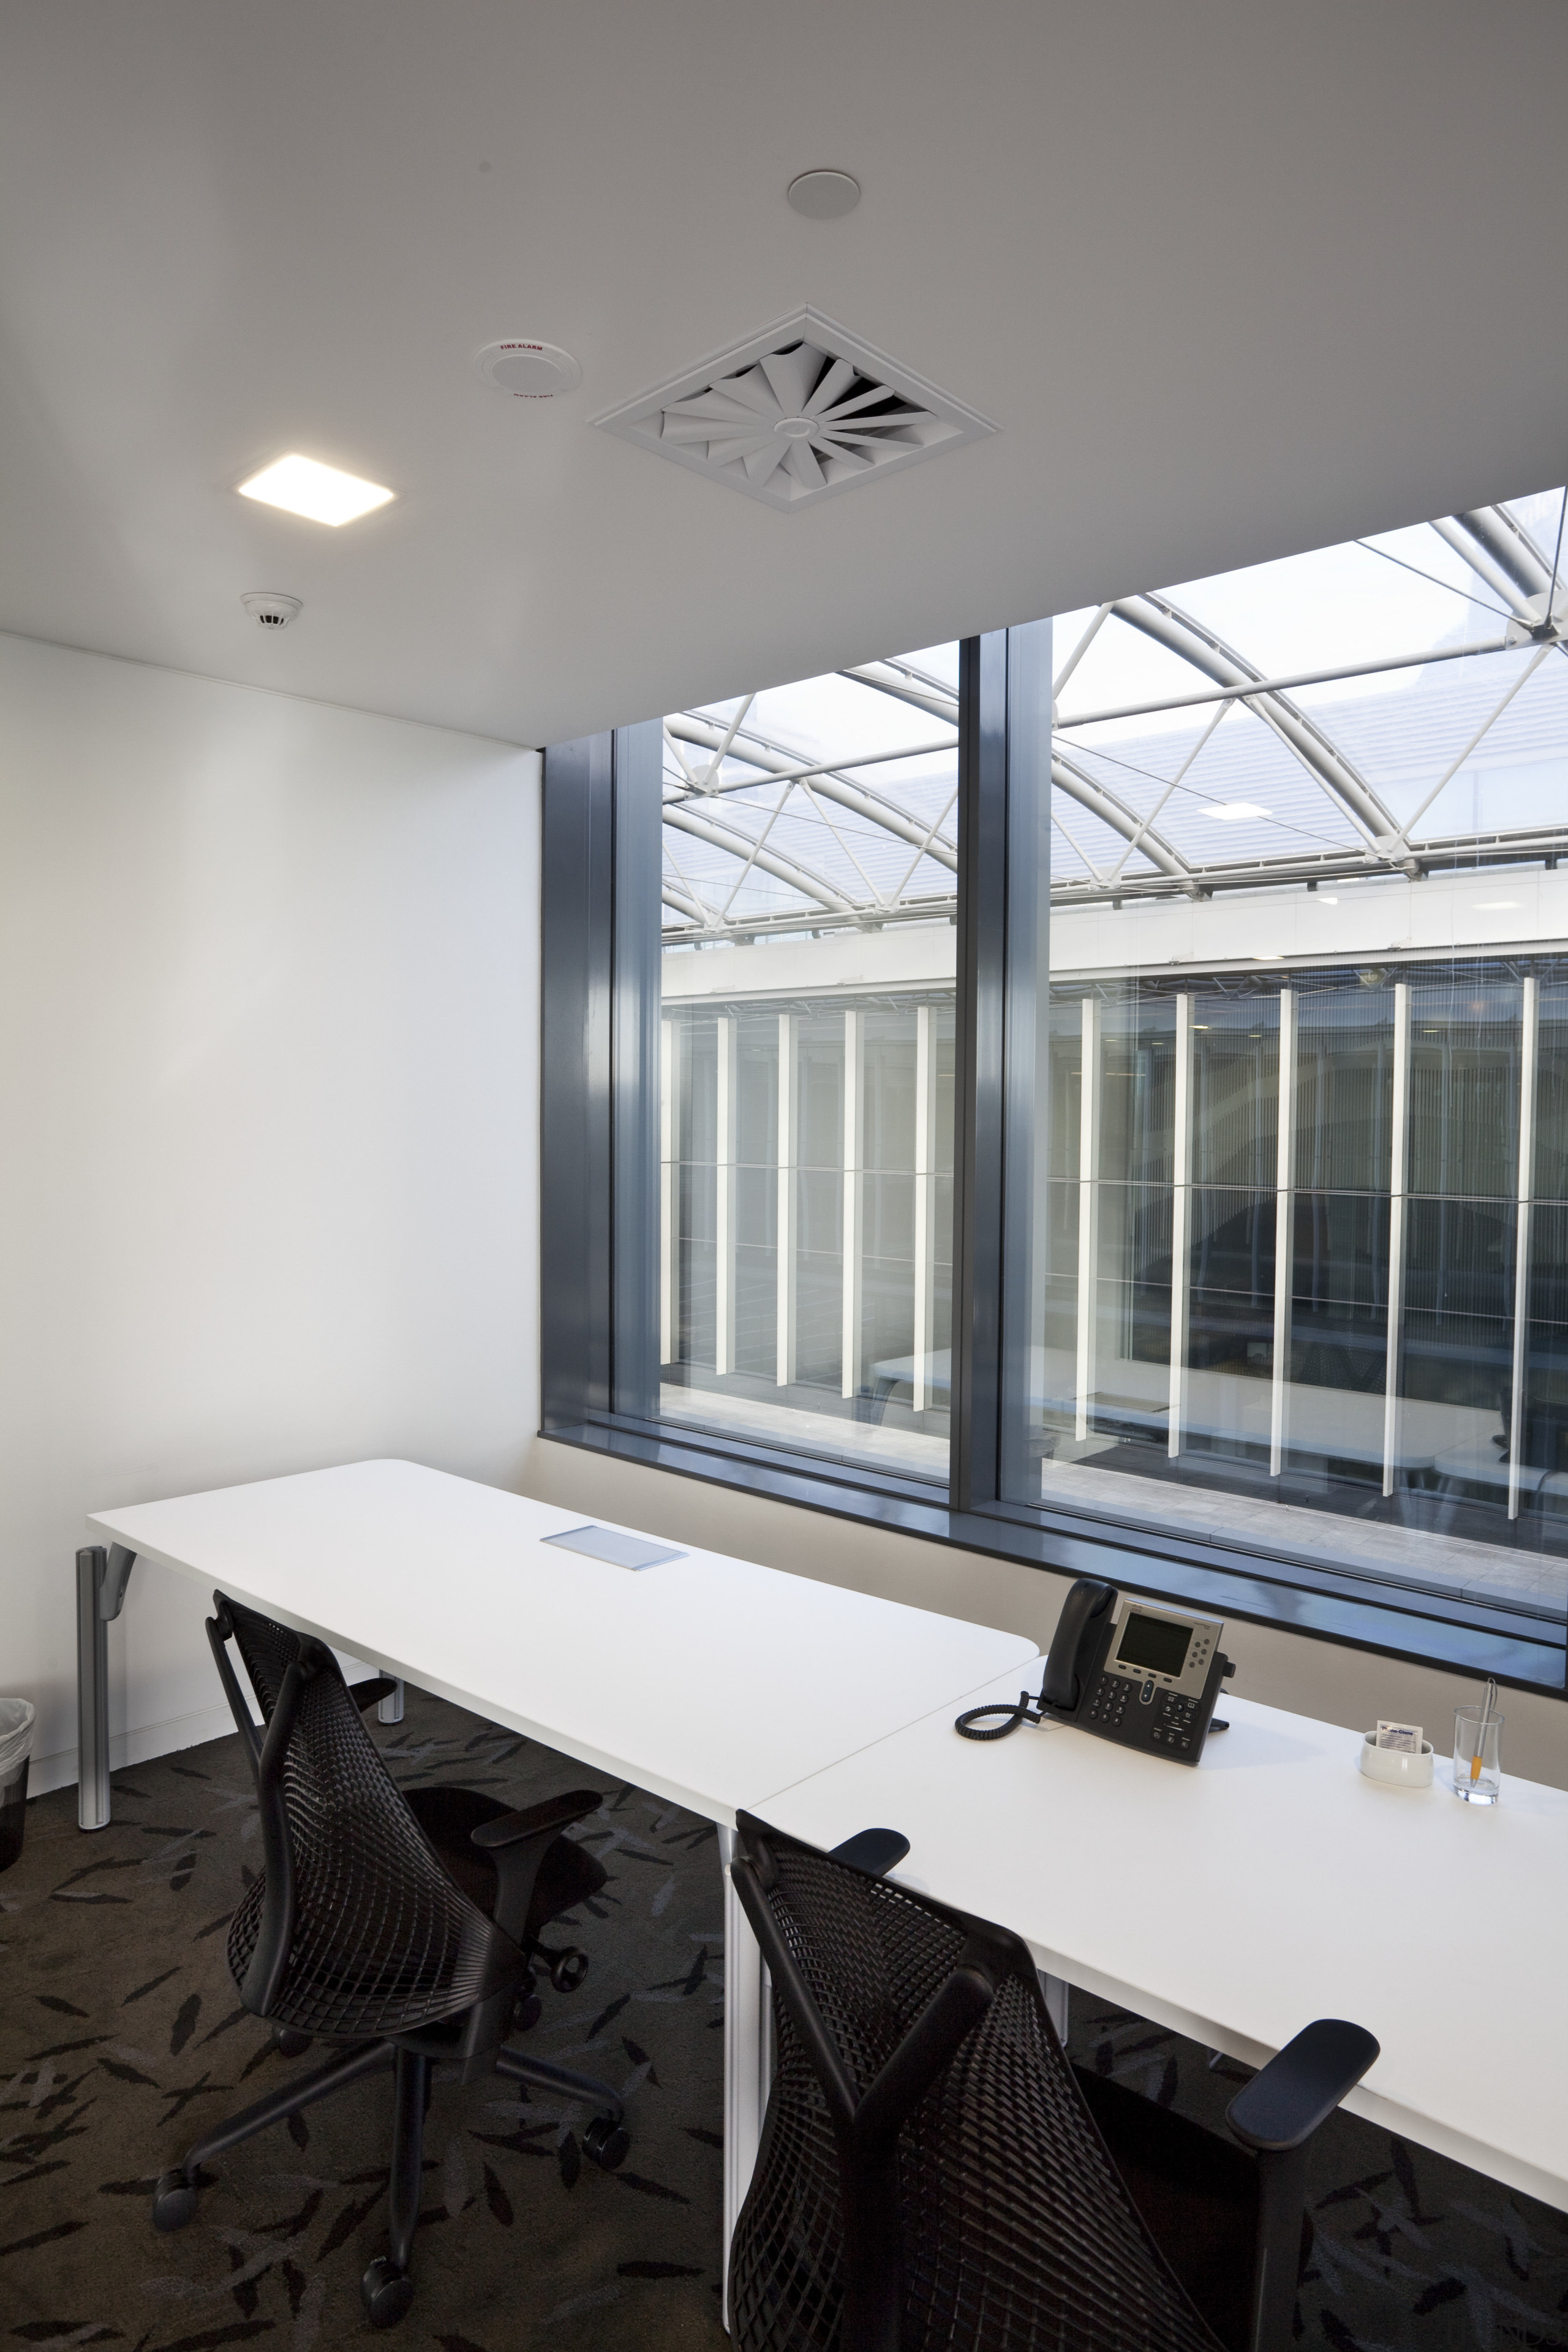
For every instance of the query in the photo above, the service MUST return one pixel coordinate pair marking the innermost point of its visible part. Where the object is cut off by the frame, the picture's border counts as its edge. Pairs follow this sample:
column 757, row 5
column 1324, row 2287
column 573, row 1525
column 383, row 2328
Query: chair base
column 386, row 2293
column 174, row 2201
column 386, row 2287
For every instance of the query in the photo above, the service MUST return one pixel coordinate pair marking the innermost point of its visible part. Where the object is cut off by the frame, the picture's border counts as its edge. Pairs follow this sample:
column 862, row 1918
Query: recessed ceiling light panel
column 799, row 412
column 527, row 370
column 321, row 493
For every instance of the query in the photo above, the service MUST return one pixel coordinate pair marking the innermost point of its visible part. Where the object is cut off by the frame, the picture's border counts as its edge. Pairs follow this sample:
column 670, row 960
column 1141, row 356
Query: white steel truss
column 811, row 826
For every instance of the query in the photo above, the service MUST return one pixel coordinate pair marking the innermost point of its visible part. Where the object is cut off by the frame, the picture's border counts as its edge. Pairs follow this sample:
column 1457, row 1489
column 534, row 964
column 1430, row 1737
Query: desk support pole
column 748, row 2053
column 390, row 1708
column 100, row 1581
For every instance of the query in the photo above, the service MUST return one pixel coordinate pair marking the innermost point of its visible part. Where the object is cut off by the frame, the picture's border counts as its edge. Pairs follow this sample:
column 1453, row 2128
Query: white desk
column 707, row 1680
column 1270, row 1885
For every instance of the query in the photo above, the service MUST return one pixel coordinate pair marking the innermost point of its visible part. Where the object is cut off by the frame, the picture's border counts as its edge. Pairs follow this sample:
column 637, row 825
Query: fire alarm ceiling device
column 527, row 370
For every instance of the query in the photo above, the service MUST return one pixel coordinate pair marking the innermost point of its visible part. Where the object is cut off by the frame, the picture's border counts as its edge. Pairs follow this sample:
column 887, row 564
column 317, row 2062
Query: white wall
column 268, row 1017
column 1352, row 1687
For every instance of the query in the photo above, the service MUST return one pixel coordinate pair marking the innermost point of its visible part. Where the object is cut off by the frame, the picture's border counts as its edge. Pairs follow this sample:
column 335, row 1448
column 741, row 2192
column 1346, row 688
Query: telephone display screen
column 1154, row 1643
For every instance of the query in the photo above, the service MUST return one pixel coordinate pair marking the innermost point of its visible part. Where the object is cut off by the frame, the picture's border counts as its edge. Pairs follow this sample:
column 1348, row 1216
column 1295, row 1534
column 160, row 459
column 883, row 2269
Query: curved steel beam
column 1497, row 547
column 1111, row 812
column 719, row 835
column 684, row 902
column 1158, row 618
column 825, row 780
column 907, row 686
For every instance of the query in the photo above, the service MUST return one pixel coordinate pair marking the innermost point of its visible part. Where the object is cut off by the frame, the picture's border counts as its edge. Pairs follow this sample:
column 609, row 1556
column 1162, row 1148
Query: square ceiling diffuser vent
column 801, row 411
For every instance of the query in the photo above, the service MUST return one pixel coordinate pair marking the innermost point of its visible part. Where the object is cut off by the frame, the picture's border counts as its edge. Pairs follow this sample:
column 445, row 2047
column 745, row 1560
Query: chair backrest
column 354, row 1927
column 929, row 2172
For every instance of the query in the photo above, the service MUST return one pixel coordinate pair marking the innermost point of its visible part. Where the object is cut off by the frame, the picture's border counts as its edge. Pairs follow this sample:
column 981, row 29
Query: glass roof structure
column 1395, row 705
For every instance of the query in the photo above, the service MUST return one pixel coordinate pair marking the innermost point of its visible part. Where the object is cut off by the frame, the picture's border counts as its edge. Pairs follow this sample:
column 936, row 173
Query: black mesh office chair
column 404, row 1925
column 933, row 2172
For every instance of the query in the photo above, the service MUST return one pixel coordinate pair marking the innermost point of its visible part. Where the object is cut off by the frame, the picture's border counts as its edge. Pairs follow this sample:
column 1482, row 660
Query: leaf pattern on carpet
column 149, row 2046
column 520, row 2242
column 1410, row 2252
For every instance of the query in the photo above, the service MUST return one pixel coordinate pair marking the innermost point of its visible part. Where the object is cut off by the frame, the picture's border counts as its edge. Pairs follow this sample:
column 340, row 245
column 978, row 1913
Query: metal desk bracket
column 101, row 1581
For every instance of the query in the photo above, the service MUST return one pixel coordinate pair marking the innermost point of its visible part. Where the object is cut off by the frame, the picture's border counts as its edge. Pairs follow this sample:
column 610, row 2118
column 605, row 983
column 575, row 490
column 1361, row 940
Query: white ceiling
column 1234, row 277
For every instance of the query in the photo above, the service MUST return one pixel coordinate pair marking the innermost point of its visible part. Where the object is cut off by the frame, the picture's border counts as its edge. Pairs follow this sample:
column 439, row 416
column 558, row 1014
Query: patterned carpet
column 121, row 2036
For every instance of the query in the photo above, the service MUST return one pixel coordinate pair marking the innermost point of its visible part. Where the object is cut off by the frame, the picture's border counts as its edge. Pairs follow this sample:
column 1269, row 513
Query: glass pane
column 1299, row 1231
column 808, row 1025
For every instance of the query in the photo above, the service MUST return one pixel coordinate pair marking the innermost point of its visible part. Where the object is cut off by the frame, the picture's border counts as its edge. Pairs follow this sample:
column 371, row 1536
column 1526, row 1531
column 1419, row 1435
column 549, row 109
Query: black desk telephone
column 1145, row 1677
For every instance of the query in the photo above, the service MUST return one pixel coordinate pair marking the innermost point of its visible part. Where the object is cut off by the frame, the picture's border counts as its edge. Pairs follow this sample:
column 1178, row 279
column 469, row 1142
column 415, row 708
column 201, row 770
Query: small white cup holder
column 1396, row 1768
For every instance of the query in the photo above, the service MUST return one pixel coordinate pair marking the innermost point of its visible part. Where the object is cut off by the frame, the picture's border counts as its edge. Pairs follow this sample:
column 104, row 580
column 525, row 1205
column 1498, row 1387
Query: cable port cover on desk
column 609, row 1543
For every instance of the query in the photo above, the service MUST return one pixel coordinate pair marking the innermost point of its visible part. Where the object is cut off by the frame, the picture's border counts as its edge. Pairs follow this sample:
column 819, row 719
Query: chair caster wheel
column 606, row 2143
column 386, row 2293
column 567, row 1969
column 288, row 2041
column 527, row 2014
column 174, row 2201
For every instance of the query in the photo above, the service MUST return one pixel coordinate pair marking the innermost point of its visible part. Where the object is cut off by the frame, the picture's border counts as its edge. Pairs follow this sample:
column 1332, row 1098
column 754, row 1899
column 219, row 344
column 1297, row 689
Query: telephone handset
column 1144, row 1676
column 1087, row 1610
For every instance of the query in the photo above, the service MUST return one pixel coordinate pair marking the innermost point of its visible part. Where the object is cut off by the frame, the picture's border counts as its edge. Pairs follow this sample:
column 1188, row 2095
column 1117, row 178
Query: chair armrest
column 372, row 1692
column 553, row 1815
column 1302, row 2085
column 518, row 1843
column 876, row 1851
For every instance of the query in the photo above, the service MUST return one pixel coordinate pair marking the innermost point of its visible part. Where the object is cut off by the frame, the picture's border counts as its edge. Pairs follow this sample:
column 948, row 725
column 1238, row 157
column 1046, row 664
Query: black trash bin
column 15, row 1749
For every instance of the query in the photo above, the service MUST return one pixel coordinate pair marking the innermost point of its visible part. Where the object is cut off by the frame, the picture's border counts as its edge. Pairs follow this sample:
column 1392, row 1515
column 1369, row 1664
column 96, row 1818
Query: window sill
column 1324, row 1604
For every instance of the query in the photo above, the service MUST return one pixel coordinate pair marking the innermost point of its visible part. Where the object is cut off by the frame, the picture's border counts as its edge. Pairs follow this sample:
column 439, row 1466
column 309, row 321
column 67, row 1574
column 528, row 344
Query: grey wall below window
column 1325, row 1679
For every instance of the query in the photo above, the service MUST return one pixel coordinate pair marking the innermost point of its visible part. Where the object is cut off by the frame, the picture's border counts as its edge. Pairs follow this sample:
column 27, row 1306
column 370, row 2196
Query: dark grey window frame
column 600, row 930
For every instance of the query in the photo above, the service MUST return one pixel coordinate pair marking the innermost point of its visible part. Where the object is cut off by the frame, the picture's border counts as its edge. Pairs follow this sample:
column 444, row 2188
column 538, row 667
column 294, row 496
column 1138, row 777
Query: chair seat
column 1197, row 2194
column 568, row 1874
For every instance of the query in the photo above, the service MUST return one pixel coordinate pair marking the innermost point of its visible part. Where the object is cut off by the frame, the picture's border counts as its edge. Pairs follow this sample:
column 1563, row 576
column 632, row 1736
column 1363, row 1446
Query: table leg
column 100, row 1581
column 390, row 1708
column 748, row 2053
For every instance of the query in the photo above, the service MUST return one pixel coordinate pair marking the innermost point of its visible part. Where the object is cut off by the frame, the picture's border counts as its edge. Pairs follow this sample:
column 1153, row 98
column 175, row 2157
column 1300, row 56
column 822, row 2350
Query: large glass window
column 807, row 1063
column 1108, row 1081
column 1301, row 1145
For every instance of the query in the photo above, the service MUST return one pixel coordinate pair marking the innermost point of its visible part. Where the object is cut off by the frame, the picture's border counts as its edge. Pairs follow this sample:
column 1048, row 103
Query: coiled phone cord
column 1027, row 1710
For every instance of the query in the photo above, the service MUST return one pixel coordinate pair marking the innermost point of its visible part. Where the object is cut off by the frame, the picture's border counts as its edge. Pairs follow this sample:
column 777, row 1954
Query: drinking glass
column 1478, row 1769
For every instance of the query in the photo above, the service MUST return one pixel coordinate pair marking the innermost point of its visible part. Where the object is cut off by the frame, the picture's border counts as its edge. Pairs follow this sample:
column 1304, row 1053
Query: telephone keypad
column 1108, row 1701
column 1166, row 1721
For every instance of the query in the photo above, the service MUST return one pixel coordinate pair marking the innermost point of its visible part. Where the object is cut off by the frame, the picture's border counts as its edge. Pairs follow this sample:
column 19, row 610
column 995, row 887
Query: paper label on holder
column 1406, row 1736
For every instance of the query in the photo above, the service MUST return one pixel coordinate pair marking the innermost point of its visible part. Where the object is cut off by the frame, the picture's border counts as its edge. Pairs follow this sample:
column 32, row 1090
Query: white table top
column 708, row 1680
column 1270, row 1885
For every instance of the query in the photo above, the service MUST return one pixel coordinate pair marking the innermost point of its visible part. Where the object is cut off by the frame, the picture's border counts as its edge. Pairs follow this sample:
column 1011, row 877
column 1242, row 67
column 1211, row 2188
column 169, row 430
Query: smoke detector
column 269, row 611
column 527, row 370
column 804, row 410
